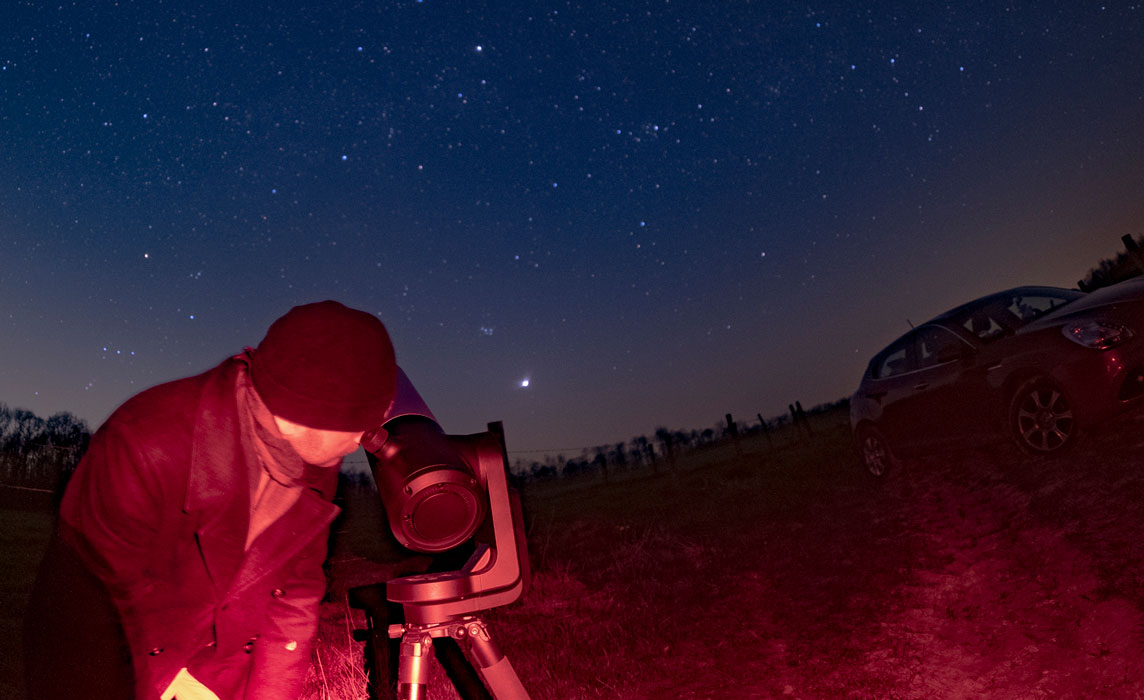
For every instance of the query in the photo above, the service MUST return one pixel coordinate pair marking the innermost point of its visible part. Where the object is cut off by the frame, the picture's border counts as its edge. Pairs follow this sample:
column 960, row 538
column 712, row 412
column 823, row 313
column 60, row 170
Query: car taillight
column 1099, row 335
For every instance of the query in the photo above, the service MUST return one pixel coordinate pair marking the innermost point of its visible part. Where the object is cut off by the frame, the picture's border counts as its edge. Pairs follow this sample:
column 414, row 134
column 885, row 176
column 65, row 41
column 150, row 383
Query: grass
column 740, row 570
column 776, row 569
column 652, row 571
column 781, row 569
column 23, row 538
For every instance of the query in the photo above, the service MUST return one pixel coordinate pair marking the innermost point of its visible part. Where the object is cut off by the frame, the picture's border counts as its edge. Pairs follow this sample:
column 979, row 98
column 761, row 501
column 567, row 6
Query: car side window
column 895, row 360
column 983, row 326
column 1028, row 307
column 937, row 345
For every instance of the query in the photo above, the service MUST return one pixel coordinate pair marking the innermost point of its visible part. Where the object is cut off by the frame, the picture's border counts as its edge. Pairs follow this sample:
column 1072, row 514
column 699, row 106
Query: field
column 25, row 524
column 784, row 571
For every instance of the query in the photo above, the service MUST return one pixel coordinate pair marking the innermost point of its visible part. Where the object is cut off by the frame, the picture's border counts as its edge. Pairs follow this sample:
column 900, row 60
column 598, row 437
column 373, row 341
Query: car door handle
column 876, row 395
column 921, row 385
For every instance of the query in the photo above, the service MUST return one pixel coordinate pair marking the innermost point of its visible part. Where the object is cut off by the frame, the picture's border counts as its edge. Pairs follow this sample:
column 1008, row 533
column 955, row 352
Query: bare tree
column 38, row 452
column 666, row 438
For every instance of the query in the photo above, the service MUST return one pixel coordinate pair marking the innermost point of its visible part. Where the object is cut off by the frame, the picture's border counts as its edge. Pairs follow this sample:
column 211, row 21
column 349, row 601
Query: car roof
column 941, row 319
column 990, row 298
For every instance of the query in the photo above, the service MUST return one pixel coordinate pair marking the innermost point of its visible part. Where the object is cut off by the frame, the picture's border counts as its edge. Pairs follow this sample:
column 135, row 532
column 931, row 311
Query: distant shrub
column 1127, row 264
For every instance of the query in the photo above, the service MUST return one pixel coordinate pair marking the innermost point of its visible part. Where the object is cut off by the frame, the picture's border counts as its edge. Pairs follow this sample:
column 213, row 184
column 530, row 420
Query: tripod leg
column 413, row 665
column 379, row 653
column 459, row 670
column 493, row 665
column 378, row 672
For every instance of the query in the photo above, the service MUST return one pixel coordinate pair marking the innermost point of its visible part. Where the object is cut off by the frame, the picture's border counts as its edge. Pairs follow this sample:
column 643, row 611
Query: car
column 1038, row 365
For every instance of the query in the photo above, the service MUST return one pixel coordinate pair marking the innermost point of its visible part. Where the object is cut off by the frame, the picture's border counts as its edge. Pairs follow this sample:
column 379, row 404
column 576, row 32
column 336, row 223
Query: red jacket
column 158, row 509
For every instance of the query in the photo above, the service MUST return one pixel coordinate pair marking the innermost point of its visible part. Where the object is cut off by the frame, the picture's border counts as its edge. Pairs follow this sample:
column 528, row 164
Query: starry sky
column 652, row 212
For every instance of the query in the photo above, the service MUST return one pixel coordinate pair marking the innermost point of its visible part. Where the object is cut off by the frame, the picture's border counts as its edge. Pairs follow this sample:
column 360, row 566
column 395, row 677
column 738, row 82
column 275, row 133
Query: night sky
column 654, row 213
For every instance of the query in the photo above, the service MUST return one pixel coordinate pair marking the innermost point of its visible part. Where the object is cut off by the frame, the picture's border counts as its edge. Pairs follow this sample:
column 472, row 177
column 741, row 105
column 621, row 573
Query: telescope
column 443, row 493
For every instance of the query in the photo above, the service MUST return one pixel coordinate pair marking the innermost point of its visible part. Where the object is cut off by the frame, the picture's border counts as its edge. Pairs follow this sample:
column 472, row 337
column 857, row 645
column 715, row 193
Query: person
column 187, row 557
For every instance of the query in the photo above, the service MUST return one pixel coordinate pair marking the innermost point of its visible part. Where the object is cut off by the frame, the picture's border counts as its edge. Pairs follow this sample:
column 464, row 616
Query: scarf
column 278, row 459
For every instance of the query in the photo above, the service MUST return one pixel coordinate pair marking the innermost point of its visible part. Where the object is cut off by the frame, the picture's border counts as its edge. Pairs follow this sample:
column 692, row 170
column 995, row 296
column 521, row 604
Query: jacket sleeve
column 110, row 516
column 111, row 513
column 282, row 654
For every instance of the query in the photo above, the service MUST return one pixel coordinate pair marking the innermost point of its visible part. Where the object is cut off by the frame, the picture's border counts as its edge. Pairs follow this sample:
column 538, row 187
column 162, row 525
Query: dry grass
column 23, row 537
column 338, row 673
column 628, row 576
column 787, row 572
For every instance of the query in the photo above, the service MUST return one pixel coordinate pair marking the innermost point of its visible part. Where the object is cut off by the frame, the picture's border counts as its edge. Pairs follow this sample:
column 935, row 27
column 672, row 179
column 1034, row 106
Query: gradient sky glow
column 586, row 220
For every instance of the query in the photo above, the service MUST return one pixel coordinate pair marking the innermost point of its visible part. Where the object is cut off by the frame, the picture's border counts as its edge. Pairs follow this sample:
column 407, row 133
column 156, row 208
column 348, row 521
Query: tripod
column 441, row 609
column 484, row 655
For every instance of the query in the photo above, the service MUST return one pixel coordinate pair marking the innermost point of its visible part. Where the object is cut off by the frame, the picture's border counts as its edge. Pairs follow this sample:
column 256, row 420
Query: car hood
column 1128, row 292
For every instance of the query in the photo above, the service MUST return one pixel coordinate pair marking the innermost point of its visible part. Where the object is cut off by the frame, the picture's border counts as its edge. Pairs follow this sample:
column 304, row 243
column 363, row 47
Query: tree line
column 39, row 452
column 659, row 450
column 1124, row 265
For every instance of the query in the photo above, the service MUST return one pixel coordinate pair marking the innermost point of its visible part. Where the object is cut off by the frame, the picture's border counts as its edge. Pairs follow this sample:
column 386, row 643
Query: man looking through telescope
column 187, row 559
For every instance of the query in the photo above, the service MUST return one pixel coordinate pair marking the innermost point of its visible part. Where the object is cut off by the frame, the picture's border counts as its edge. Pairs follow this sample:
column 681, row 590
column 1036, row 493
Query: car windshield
column 1002, row 314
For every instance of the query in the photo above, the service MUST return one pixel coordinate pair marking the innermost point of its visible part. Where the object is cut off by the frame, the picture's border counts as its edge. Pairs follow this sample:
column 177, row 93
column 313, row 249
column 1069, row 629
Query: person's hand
column 187, row 687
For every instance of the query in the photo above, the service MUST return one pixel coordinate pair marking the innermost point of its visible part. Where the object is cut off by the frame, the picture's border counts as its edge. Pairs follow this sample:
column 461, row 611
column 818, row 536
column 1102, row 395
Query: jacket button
column 156, row 651
column 277, row 592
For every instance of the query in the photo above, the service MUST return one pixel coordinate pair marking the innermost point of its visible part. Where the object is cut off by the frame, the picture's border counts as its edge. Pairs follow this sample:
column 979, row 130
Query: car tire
column 1041, row 418
column 877, row 457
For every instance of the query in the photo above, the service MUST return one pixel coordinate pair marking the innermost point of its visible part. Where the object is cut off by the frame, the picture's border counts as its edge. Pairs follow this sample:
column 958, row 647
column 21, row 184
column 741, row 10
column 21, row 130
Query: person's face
column 322, row 448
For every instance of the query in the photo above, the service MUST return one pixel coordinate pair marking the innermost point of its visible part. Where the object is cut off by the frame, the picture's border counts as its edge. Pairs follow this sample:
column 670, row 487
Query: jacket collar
column 219, row 468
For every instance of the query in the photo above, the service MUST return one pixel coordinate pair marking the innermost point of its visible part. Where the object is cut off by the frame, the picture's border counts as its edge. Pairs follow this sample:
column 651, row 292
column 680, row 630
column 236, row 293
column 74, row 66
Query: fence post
column 733, row 431
column 802, row 417
column 763, row 427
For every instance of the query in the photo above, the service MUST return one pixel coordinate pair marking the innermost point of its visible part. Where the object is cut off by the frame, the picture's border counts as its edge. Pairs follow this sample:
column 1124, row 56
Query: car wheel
column 876, row 454
column 1041, row 418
